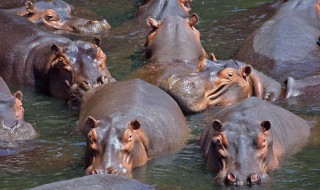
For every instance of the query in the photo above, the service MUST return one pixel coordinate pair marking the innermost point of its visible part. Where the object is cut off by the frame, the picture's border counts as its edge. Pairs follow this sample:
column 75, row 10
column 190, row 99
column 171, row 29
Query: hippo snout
column 252, row 179
column 106, row 171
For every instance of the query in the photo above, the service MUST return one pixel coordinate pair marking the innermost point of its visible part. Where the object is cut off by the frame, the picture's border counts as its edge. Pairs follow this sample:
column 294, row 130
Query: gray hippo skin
column 31, row 56
column 172, row 46
column 56, row 16
column 97, row 182
column 127, row 123
column 244, row 141
column 286, row 44
column 12, row 124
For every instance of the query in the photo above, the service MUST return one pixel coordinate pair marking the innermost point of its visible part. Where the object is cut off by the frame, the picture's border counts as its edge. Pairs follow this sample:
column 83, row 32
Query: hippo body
column 173, row 46
column 115, row 115
column 245, row 140
column 99, row 182
column 41, row 59
column 12, row 124
column 286, row 44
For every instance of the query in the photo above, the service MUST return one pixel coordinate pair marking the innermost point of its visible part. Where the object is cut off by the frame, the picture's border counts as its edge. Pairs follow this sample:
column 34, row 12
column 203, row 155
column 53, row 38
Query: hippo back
column 160, row 116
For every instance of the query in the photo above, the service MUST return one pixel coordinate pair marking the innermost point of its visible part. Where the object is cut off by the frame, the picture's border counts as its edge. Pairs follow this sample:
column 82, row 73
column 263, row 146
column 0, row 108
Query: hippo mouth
column 215, row 95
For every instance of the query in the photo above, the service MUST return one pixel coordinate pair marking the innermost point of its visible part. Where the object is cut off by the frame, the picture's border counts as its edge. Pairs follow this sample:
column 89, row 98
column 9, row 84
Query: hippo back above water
column 245, row 141
column 127, row 123
column 34, row 57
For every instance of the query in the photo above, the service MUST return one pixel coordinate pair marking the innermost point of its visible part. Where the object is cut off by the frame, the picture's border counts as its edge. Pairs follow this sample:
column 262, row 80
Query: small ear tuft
column 265, row 125
column 91, row 122
column 217, row 125
column 135, row 124
column 153, row 22
column 96, row 41
column 30, row 7
column 246, row 71
column 55, row 49
column 18, row 95
column 193, row 20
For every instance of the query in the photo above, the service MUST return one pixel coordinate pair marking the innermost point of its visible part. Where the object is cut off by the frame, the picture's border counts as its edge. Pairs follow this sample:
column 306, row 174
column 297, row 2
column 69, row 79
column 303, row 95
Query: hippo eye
column 49, row 17
column 130, row 138
column 230, row 75
column 220, row 148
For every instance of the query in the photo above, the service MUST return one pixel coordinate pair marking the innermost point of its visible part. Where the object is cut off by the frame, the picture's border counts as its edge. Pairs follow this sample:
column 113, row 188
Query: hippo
column 99, row 182
column 172, row 46
column 286, row 45
column 159, row 9
column 56, row 17
column 225, row 82
column 122, row 133
column 42, row 59
column 246, row 140
column 13, row 127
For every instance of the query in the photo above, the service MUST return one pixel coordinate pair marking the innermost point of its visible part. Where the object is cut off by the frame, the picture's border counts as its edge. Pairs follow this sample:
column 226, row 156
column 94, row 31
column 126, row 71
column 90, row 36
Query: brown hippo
column 121, row 130
column 286, row 44
column 230, row 81
column 159, row 9
column 56, row 16
column 12, row 124
column 97, row 182
column 172, row 46
column 31, row 56
column 244, row 141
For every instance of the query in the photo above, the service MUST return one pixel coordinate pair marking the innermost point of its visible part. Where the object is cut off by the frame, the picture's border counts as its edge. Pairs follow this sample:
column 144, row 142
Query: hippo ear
column 30, row 7
column 257, row 85
column 246, row 71
column 217, row 125
column 55, row 49
column 153, row 22
column 193, row 20
column 18, row 95
column 96, row 41
column 212, row 57
column 91, row 122
column 134, row 124
column 265, row 125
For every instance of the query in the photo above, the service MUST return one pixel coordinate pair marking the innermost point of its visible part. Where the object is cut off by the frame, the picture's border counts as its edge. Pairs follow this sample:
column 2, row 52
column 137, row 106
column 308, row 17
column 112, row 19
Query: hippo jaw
column 20, row 130
column 115, row 151
column 241, row 156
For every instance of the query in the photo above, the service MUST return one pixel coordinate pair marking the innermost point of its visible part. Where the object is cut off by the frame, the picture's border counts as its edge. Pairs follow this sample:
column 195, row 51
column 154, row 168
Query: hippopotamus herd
column 126, row 123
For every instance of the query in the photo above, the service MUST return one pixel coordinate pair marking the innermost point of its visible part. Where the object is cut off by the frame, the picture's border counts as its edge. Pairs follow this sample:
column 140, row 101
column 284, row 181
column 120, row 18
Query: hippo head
column 59, row 19
column 240, row 153
column 174, row 39
column 12, row 124
column 114, row 146
column 73, row 63
column 225, row 84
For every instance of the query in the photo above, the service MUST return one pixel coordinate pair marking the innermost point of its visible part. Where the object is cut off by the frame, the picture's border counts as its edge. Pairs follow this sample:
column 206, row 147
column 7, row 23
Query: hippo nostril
column 254, row 179
column 232, row 178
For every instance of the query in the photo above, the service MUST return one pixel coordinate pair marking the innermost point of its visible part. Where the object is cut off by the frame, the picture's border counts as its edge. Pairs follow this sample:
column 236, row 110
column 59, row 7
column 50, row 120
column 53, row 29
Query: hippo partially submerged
column 31, row 56
column 56, row 16
column 123, row 132
column 228, row 82
column 244, row 141
column 12, row 124
column 286, row 44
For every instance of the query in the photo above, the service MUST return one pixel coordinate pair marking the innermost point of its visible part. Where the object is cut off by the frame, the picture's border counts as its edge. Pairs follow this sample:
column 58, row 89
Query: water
column 57, row 153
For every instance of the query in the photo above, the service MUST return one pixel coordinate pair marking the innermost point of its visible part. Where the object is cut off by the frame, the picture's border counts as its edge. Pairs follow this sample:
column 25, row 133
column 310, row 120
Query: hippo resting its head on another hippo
column 245, row 140
column 123, row 132
column 31, row 56
column 172, row 46
column 228, row 82
column 12, row 124
column 159, row 9
column 56, row 16
column 286, row 44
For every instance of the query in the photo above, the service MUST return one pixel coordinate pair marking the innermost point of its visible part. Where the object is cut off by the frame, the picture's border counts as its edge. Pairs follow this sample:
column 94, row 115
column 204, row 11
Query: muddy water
column 57, row 153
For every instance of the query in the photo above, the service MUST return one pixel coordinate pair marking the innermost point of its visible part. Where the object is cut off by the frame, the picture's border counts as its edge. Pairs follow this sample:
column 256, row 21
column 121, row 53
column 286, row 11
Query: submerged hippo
column 172, row 46
column 244, row 141
column 286, row 45
column 56, row 16
column 159, row 9
column 97, row 182
column 12, row 124
column 31, row 56
column 121, row 130
column 228, row 82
